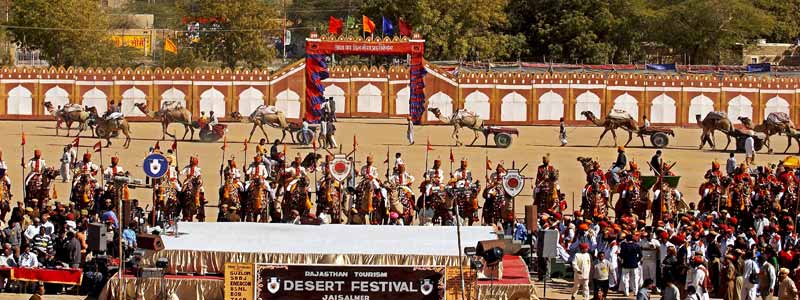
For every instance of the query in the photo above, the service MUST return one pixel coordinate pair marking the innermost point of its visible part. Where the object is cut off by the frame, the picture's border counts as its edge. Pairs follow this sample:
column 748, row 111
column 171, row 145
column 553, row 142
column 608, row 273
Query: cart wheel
column 100, row 131
column 207, row 136
column 659, row 140
column 740, row 144
column 304, row 137
column 759, row 143
column 502, row 140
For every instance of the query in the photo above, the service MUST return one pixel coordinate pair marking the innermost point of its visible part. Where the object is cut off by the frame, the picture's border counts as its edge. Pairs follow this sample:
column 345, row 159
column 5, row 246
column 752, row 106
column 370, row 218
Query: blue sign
column 155, row 165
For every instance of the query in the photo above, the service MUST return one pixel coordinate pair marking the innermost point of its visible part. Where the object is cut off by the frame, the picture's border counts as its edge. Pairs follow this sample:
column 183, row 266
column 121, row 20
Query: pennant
column 224, row 143
column 157, row 146
column 355, row 143
column 452, row 158
column 368, row 25
column 350, row 22
column 314, row 144
column 174, row 145
column 405, row 29
column 169, row 46
column 387, row 26
column 488, row 164
column 245, row 144
column 284, row 151
column 98, row 147
column 335, row 25
column 76, row 143
column 55, row 194
column 23, row 139
column 429, row 148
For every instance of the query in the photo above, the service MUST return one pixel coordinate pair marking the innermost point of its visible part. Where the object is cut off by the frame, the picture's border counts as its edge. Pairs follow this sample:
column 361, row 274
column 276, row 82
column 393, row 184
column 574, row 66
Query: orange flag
column 355, row 143
column 429, row 148
column 245, row 144
column 76, row 142
column 98, row 147
column 174, row 145
column 369, row 26
column 169, row 46
column 452, row 159
column 224, row 143
column 488, row 164
column 23, row 139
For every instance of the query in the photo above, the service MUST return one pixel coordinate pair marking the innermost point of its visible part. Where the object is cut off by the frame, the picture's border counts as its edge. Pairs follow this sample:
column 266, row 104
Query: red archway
column 319, row 47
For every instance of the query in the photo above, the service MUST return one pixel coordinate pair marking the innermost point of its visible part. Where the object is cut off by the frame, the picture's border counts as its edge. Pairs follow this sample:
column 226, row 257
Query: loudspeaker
column 484, row 246
column 531, row 218
column 96, row 237
column 546, row 243
column 149, row 242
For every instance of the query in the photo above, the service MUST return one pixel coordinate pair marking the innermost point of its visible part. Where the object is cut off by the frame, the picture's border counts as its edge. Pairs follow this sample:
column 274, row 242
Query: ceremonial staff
column 175, row 149
column 425, row 192
column 314, row 161
column 222, row 162
column 386, row 201
column 22, row 161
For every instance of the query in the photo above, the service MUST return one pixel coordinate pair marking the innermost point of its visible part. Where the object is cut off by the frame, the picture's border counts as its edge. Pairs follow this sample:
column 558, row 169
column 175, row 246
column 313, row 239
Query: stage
column 204, row 248
column 515, row 285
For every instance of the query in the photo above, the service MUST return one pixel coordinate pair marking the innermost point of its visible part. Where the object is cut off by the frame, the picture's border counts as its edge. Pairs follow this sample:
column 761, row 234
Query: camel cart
column 300, row 135
column 741, row 136
column 659, row 136
column 502, row 135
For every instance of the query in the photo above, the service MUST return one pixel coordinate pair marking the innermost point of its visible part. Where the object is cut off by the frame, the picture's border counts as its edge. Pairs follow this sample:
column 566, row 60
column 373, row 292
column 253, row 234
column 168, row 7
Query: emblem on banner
column 273, row 285
column 340, row 167
column 426, row 288
column 513, row 182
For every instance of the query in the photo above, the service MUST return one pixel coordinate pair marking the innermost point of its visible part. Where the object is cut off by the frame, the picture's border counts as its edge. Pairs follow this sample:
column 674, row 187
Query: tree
column 67, row 32
column 787, row 23
column 455, row 29
column 235, row 31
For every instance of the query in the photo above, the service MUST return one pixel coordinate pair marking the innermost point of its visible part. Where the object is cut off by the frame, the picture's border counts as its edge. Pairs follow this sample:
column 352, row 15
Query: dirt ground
column 375, row 137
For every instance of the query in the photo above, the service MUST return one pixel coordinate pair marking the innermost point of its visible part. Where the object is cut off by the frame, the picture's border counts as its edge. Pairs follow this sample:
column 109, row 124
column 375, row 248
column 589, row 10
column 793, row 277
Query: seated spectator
column 43, row 242
column 32, row 229
column 51, row 228
column 6, row 260
column 129, row 237
column 28, row 259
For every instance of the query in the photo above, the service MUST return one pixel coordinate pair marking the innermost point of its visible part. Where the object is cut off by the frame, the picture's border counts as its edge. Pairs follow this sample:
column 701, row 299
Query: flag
column 76, row 142
column 23, row 139
column 98, row 147
column 661, row 67
column 157, row 146
column 314, row 144
column 488, row 164
column 174, row 145
column 387, row 27
column 405, row 29
column 429, row 148
column 169, row 46
column 245, row 145
column 350, row 23
column 224, row 143
column 452, row 158
column 334, row 25
column 368, row 25
column 284, row 152
column 755, row 68
column 355, row 143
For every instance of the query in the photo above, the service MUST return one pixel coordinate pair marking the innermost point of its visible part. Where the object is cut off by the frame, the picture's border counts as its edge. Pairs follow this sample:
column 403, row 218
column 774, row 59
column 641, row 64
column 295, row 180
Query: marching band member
column 192, row 171
column 497, row 176
column 256, row 171
column 370, row 173
column 86, row 168
column 36, row 165
column 295, row 171
column 543, row 172
column 234, row 173
column 434, row 176
column 172, row 174
column 113, row 170
column 598, row 173
column 463, row 173
column 403, row 180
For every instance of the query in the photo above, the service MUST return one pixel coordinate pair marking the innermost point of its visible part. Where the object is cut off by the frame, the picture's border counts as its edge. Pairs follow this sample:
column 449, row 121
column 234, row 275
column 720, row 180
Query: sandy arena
column 373, row 138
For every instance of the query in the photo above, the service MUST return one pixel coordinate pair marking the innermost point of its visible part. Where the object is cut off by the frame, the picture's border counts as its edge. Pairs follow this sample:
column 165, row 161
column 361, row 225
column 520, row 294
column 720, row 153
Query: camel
column 776, row 123
column 712, row 122
column 265, row 115
column 612, row 123
column 171, row 113
column 107, row 128
column 460, row 118
column 69, row 114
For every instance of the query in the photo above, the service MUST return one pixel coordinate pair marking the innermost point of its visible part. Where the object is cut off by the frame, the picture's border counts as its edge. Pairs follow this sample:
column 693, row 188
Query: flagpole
column 425, row 193
column 222, row 162
column 22, row 161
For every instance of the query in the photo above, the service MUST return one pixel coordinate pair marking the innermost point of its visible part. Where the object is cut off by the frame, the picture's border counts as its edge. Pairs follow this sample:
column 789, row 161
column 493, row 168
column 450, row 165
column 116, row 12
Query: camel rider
column 233, row 172
column 172, row 174
column 742, row 176
column 433, row 177
column 113, row 113
column 212, row 120
column 4, row 170
column 633, row 170
column 86, row 168
column 496, row 178
column 462, row 174
column 370, row 173
column 256, row 171
column 596, row 174
column 35, row 165
column 295, row 172
column 113, row 170
column 544, row 171
column 619, row 165
column 403, row 180
column 714, row 171
column 713, row 178
column 192, row 171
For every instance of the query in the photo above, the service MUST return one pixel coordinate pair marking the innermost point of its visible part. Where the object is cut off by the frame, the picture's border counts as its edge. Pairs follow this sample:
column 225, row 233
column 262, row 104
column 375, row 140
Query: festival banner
column 134, row 41
column 338, row 282
column 238, row 281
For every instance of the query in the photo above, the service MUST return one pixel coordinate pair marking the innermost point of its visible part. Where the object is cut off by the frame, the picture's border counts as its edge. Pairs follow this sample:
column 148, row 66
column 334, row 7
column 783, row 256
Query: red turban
column 584, row 246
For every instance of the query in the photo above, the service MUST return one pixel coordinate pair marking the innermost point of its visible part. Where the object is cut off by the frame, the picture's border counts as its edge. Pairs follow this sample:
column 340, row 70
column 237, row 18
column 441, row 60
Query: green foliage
column 455, row 29
column 787, row 19
column 80, row 39
column 245, row 35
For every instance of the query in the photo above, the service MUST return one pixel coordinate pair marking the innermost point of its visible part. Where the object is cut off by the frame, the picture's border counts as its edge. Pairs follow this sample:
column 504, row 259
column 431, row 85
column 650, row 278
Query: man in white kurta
column 581, row 266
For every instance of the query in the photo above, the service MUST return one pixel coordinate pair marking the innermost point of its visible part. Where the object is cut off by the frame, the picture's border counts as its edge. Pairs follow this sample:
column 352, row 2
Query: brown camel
column 768, row 129
column 71, row 113
column 171, row 114
column 264, row 115
column 712, row 122
column 106, row 128
column 611, row 124
column 460, row 118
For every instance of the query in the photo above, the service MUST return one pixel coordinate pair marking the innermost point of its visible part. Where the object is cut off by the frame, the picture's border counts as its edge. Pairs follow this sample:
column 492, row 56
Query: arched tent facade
column 551, row 106
column 249, row 100
column 289, row 102
column 130, row 98
column 587, row 101
column 57, row 96
column 20, row 101
column 97, row 99
column 478, row 102
column 663, row 110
